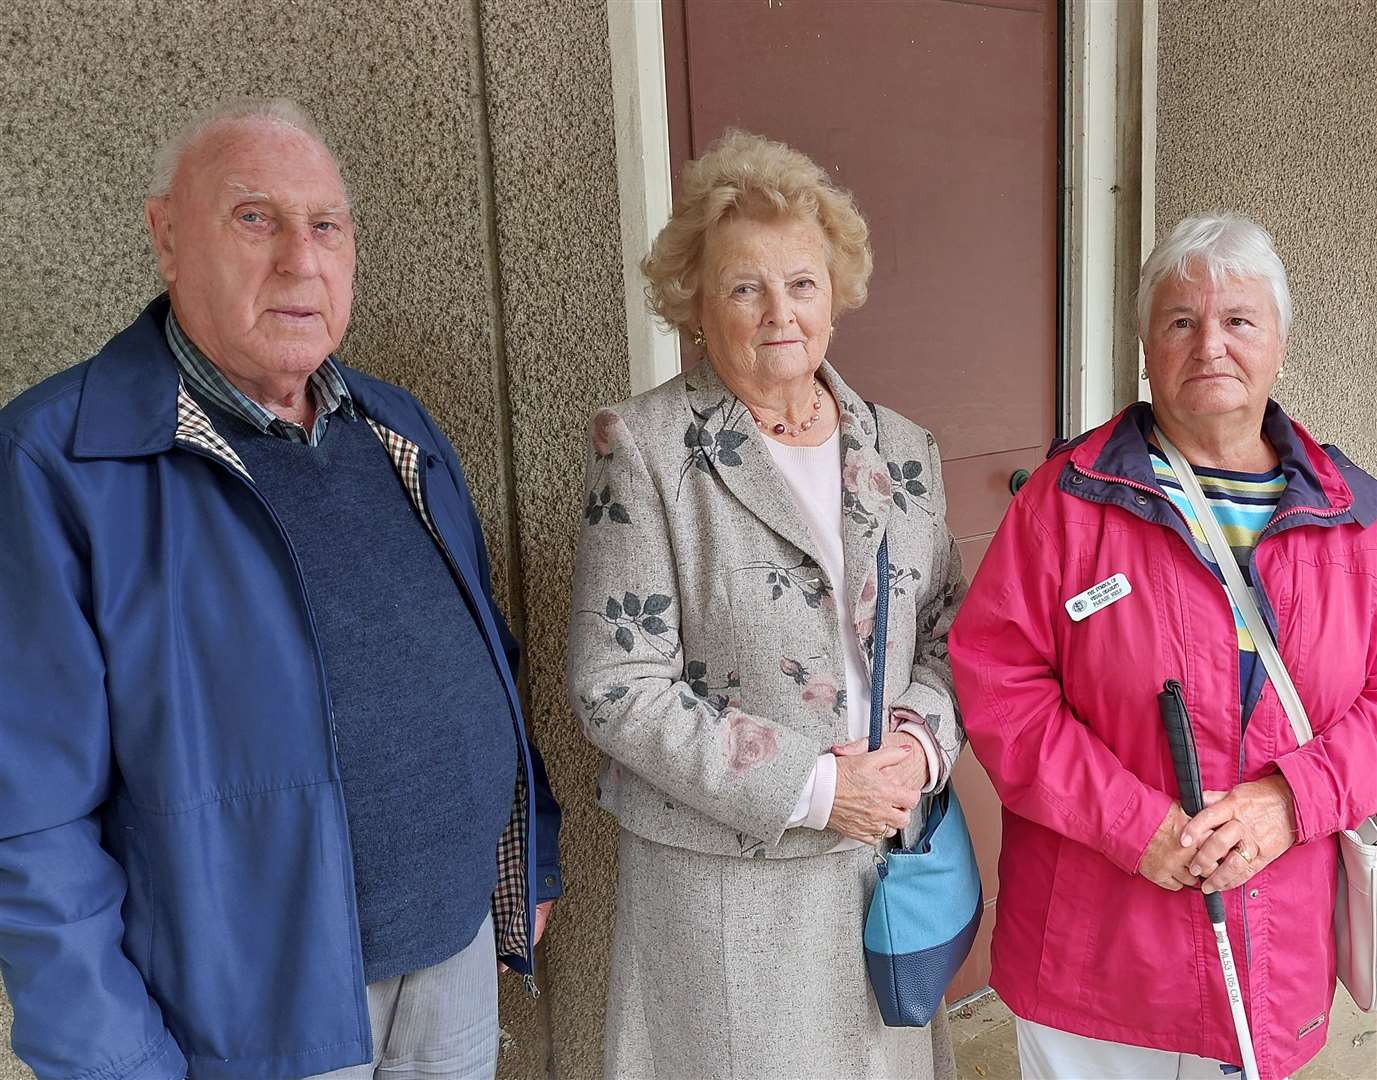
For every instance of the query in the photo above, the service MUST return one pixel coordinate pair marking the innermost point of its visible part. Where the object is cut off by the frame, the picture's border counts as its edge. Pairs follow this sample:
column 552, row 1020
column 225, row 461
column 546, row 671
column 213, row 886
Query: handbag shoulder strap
column 877, row 666
column 1238, row 589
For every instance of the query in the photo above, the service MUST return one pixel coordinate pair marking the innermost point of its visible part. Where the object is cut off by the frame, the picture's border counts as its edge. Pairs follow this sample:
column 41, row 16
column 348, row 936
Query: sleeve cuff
column 549, row 884
column 1310, row 822
column 814, row 805
column 1135, row 827
column 935, row 760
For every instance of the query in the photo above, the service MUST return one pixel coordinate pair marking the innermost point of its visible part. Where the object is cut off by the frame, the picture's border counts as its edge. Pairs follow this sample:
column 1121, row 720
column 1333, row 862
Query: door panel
column 941, row 118
column 978, row 488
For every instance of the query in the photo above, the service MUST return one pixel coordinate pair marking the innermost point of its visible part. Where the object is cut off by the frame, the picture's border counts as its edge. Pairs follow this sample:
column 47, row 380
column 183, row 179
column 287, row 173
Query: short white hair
column 1223, row 246
column 281, row 111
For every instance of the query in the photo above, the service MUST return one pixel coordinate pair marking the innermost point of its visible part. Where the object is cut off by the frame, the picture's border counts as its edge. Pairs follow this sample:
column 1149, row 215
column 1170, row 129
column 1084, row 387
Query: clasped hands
column 1236, row 835
column 876, row 792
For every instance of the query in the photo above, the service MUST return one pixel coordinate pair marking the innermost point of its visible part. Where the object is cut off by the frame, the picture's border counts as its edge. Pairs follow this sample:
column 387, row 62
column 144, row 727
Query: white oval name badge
column 1098, row 597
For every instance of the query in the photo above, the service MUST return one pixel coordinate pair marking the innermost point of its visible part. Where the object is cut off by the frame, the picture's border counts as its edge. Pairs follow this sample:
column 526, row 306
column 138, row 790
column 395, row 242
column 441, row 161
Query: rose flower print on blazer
column 705, row 653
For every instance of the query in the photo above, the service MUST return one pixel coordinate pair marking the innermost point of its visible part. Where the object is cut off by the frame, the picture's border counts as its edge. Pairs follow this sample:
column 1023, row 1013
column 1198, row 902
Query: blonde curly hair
column 745, row 175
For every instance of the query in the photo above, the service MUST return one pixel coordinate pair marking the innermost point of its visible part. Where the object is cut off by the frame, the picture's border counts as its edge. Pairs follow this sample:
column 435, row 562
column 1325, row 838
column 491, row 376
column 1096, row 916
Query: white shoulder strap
column 1238, row 589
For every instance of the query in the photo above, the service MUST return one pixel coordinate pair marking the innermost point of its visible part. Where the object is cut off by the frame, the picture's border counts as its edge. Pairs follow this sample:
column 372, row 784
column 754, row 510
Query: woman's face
column 765, row 299
column 1212, row 350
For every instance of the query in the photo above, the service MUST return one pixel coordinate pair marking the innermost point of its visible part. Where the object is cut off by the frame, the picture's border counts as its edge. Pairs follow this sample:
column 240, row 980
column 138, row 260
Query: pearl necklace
column 784, row 429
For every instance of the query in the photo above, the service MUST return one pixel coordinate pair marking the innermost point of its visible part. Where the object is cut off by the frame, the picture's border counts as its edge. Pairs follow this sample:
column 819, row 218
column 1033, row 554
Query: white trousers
column 1046, row 1053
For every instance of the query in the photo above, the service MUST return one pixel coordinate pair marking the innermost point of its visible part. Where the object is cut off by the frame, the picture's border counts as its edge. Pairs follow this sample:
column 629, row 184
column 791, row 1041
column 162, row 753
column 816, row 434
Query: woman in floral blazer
column 720, row 646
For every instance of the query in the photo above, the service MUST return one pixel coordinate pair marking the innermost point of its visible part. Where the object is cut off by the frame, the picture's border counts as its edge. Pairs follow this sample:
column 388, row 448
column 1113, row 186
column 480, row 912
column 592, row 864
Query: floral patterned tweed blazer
column 705, row 654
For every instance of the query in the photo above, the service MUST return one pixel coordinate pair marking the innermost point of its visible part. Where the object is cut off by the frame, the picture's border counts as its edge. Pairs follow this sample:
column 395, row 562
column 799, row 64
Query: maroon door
column 941, row 117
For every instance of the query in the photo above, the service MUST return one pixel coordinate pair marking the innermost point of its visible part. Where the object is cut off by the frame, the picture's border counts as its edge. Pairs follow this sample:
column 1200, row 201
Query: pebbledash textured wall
column 477, row 139
column 1269, row 108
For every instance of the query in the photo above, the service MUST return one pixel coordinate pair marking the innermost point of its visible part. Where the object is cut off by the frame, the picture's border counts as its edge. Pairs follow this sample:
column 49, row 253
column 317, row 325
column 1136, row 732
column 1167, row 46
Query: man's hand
column 543, row 910
column 542, row 916
column 1166, row 862
column 875, row 791
column 1241, row 831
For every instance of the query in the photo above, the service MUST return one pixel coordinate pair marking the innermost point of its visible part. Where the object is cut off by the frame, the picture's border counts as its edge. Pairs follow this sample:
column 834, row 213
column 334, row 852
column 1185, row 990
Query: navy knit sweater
column 426, row 747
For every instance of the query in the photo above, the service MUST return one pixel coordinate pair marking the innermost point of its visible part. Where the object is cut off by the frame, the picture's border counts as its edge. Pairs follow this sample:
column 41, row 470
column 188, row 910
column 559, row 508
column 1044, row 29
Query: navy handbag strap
column 877, row 666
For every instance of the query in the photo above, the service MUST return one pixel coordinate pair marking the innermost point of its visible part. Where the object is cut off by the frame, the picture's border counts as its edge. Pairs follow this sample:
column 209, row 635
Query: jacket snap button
column 1076, row 479
column 1252, row 894
column 1141, row 500
column 550, row 880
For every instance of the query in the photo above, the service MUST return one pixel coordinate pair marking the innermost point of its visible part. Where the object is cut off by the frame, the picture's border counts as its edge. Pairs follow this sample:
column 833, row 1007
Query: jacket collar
column 722, row 438
column 129, row 395
column 1322, row 486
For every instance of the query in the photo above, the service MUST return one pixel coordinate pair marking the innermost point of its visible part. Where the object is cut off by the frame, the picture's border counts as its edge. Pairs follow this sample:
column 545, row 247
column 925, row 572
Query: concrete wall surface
column 1269, row 108
column 477, row 140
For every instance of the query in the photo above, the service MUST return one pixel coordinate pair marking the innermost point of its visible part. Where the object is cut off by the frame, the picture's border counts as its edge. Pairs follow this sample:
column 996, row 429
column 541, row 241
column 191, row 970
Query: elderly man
column 267, row 808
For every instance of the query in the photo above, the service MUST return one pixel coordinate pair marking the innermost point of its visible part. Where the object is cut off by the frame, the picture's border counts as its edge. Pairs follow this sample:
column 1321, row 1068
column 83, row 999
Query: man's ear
column 157, row 213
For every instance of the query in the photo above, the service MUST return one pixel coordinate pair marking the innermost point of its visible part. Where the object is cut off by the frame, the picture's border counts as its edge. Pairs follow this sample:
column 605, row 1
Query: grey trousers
column 439, row 1023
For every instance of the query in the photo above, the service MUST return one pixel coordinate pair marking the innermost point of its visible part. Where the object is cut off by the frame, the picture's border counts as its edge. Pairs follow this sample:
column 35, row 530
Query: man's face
column 256, row 244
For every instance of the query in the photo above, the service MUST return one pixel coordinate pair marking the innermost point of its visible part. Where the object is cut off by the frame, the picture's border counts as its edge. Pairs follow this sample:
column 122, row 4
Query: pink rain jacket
column 1063, row 716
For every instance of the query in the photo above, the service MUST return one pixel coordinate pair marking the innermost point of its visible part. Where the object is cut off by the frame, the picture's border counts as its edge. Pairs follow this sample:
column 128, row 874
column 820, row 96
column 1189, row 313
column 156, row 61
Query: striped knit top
column 1243, row 504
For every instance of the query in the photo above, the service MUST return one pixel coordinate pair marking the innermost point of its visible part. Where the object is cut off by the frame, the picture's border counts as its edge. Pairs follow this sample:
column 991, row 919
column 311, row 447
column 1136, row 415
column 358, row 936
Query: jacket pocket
column 1113, row 938
column 256, row 944
column 1071, row 929
column 138, row 909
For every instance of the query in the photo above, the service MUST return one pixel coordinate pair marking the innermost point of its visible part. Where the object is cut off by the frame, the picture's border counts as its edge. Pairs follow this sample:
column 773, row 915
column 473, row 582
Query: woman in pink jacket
column 1101, row 946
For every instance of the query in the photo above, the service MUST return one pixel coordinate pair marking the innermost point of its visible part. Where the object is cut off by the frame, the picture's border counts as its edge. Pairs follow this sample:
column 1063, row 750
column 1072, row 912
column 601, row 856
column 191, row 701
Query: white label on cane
column 1097, row 597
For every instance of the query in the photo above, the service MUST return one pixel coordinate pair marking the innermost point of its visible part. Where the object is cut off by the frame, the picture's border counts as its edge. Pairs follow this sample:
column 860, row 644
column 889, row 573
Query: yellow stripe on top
column 1243, row 504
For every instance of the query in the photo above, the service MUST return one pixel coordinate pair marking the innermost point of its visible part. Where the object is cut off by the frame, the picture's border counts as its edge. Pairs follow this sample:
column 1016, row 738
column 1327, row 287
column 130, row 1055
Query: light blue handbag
column 927, row 902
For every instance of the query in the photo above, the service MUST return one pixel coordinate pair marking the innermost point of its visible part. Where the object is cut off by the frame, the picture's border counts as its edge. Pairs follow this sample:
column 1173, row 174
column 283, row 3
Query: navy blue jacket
column 176, row 888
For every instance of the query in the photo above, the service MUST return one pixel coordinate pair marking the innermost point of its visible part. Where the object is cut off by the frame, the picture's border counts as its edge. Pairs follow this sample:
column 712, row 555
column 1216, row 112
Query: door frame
column 1109, row 158
column 1108, row 164
column 635, row 39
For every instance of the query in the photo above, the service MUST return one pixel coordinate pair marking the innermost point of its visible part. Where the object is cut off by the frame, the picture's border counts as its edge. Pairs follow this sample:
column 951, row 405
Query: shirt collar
column 327, row 387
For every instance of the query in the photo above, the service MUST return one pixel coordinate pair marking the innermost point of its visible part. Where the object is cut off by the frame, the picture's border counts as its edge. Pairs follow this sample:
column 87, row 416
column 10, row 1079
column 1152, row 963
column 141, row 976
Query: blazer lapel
column 867, row 501
column 721, row 438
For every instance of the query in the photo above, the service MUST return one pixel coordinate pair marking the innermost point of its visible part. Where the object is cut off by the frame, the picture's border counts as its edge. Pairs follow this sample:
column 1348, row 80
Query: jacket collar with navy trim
column 1322, row 485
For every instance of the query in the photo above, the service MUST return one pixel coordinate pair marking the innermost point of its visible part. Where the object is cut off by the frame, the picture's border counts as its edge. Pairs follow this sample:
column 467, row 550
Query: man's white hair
column 282, row 111
column 1222, row 246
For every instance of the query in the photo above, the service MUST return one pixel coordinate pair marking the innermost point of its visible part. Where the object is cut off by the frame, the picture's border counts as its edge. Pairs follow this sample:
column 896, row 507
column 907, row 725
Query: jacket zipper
column 300, row 580
column 1269, row 616
column 1313, row 511
column 1242, row 892
column 528, row 978
column 246, row 480
column 1092, row 475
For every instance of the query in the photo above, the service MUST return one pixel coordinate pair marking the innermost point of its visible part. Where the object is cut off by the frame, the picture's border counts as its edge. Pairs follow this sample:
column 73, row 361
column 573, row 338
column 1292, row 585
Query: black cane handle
column 1181, row 738
column 1172, row 702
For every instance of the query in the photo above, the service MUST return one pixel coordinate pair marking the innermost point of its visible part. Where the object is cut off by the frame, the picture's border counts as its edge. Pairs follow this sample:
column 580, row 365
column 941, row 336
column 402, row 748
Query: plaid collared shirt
column 328, row 392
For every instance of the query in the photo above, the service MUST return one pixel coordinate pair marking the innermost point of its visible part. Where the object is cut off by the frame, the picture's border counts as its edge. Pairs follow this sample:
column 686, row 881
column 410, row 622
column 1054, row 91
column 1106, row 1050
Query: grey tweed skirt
column 751, row 969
